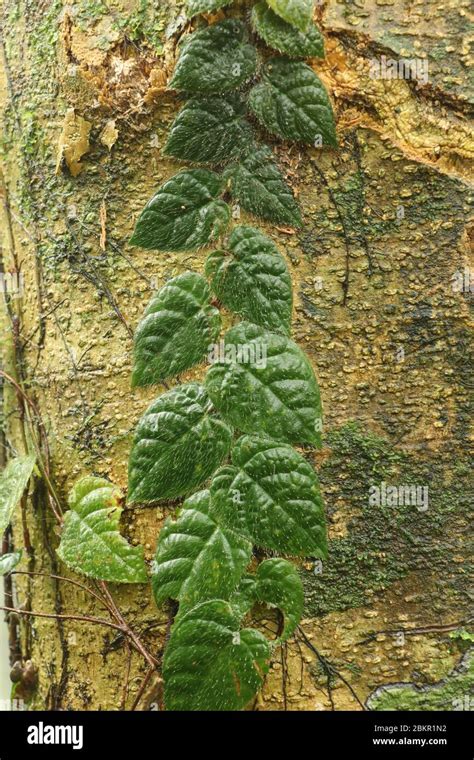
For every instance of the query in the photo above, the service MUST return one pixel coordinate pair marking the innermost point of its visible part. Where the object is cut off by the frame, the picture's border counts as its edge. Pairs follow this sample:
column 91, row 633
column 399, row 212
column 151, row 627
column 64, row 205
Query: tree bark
column 378, row 308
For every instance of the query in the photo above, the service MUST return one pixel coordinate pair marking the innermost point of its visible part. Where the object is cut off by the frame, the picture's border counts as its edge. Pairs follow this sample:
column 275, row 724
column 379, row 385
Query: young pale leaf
column 281, row 36
column 184, row 214
column 196, row 559
column 9, row 561
column 258, row 185
column 271, row 495
column 13, row 482
column 298, row 13
column 292, row 102
column 215, row 59
column 252, row 279
column 179, row 442
column 266, row 385
column 209, row 663
column 90, row 540
column 194, row 7
column 278, row 584
column 210, row 130
column 176, row 330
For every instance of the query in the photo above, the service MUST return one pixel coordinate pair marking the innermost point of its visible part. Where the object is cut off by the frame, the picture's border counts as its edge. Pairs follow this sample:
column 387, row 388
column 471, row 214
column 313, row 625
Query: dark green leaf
column 271, row 495
column 292, row 102
column 278, row 584
column 196, row 559
column 13, row 481
column 90, row 540
column 176, row 330
column 184, row 214
column 252, row 279
column 258, row 185
column 179, row 442
column 298, row 13
column 204, row 6
column 210, row 130
column 266, row 385
column 215, row 59
column 209, row 663
column 244, row 596
column 281, row 36
column 9, row 561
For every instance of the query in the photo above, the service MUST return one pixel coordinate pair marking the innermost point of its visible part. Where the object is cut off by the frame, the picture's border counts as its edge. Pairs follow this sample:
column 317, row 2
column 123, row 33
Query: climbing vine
column 260, row 395
column 234, row 434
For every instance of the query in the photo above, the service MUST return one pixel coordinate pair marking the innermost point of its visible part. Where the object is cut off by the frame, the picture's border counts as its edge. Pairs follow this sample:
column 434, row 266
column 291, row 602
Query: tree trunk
column 379, row 272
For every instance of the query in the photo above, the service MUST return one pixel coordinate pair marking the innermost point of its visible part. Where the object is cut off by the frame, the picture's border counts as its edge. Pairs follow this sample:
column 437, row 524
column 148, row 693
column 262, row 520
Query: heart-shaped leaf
column 194, row 7
column 13, row 482
column 179, row 442
column 209, row 663
column 184, row 214
column 210, row 130
column 298, row 13
column 9, row 561
column 270, row 494
column 280, row 35
column 196, row 559
column 252, row 279
column 176, row 330
column 266, row 385
column 292, row 102
column 278, row 584
column 90, row 540
column 215, row 59
column 258, row 185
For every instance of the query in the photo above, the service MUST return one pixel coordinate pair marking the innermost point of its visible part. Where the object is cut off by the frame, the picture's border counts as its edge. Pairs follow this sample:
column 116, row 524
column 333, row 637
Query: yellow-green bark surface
column 386, row 227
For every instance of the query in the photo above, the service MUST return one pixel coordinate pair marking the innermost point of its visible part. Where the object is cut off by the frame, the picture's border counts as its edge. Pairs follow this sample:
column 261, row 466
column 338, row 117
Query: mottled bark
column 386, row 227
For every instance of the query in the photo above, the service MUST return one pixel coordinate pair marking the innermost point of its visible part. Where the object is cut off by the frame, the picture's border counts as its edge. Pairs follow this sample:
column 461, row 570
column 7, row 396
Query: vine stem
column 328, row 666
column 54, row 500
column 152, row 661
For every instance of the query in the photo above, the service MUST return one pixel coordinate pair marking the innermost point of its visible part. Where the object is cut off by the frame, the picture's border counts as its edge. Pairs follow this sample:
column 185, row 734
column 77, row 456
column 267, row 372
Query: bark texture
column 386, row 227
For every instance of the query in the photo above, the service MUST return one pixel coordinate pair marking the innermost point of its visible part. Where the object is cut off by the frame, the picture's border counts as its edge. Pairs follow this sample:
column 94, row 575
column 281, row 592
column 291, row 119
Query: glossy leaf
column 270, row 494
column 179, row 443
column 284, row 37
column 13, row 481
column 298, row 13
column 210, row 130
column 196, row 559
column 176, row 330
column 194, row 7
column 184, row 214
column 209, row 663
column 244, row 596
column 258, row 185
column 90, row 540
column 292, row 102
column 266, row 385
column 279, row 585
column 251, row 278
column 215, row 59
column 9, row 561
